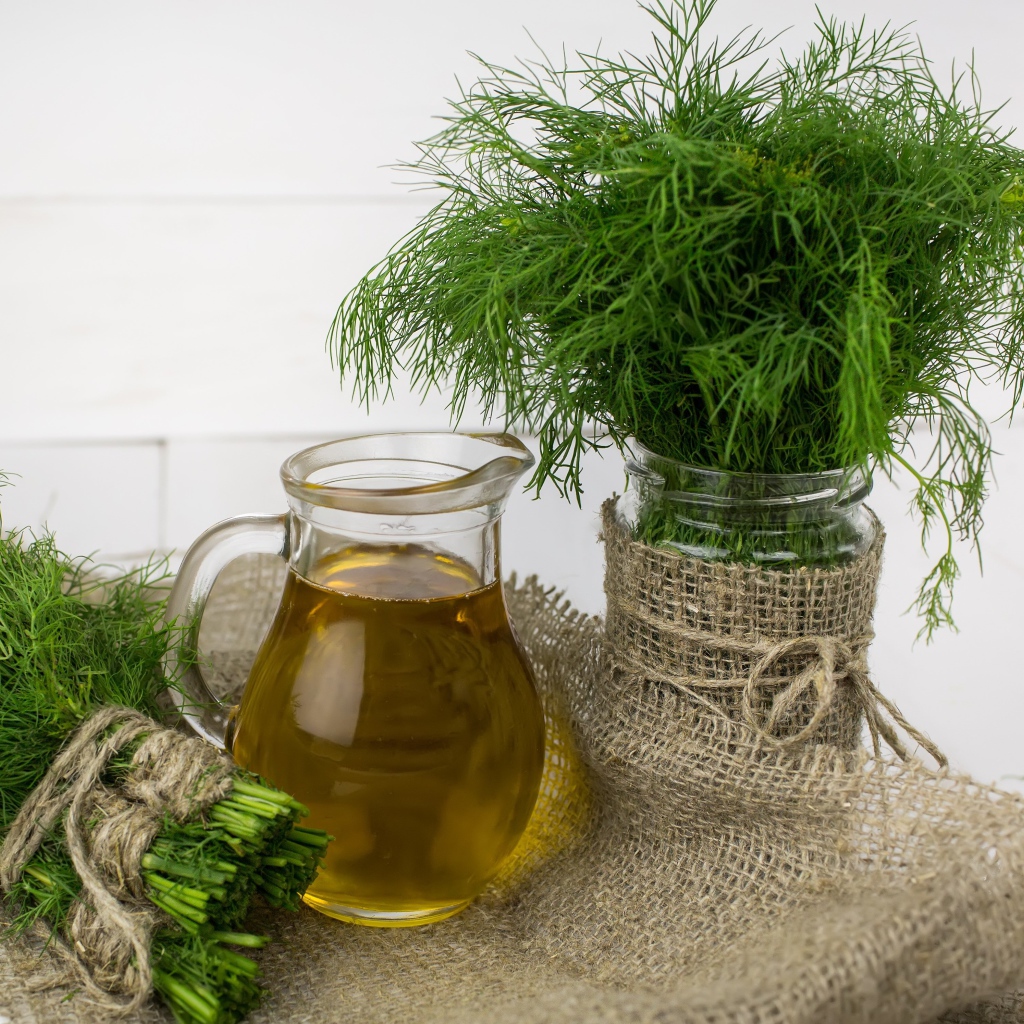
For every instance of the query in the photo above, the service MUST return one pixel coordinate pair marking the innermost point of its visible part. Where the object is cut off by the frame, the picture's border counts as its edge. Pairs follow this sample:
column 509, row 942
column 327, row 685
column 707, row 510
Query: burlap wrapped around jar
column 784, row 652
column 692, row 858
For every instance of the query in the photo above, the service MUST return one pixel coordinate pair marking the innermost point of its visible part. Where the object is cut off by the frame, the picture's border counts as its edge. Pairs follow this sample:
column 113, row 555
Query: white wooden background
column 187, row 188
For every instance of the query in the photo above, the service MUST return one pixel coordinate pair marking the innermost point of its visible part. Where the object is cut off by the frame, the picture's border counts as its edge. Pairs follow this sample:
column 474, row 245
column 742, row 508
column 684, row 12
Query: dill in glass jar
column 776, row 520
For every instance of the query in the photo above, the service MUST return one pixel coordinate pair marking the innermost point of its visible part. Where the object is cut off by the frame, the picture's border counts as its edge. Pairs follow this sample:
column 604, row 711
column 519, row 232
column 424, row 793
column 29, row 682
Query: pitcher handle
column 221, row 544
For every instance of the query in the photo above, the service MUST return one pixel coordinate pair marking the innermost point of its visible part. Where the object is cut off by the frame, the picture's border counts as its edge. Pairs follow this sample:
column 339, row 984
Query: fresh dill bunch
column 73, row 640
column 64, row 653
column 748, row 266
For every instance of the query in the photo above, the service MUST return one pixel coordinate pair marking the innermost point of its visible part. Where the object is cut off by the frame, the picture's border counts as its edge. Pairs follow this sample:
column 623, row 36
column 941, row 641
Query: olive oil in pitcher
column 392, row 698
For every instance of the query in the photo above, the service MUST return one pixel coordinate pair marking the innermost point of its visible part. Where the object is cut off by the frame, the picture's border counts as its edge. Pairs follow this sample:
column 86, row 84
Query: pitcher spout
column 409, row 473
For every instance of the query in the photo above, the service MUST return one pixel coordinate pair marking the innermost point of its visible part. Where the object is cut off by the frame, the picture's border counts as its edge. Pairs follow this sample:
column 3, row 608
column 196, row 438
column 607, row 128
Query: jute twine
column 107, row 830
column 680, row 868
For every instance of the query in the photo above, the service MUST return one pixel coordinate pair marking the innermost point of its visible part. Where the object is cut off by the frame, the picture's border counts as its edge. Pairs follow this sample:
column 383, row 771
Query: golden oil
column 392, row 698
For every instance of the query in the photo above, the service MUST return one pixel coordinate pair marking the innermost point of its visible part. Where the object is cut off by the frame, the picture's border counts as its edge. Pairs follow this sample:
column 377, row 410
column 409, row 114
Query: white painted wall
column 187, row 188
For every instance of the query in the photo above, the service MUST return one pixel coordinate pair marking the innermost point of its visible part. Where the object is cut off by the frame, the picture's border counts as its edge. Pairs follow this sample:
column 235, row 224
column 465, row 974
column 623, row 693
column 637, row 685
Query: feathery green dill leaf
column 747, row 266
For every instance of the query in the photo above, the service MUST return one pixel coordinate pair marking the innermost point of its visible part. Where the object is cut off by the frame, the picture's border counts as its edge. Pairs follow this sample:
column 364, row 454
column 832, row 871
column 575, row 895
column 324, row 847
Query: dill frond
column 748, row 266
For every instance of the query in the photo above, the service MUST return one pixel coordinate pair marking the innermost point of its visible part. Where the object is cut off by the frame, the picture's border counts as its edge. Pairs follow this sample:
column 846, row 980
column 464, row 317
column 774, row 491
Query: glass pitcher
column 390, row 695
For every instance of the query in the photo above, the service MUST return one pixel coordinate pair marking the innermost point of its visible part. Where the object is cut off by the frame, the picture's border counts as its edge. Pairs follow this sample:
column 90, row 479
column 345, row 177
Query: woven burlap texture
column 706, row 876
column 783, row 652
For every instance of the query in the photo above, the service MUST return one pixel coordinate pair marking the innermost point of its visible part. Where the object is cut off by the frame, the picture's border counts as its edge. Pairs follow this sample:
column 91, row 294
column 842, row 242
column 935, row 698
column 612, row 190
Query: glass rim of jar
column 842, row 487
column 408, row 472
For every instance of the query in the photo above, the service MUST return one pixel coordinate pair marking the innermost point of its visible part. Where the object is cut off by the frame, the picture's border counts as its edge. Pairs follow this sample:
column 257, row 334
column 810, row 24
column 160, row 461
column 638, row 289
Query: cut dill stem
column 202, row 981
column 240, row 939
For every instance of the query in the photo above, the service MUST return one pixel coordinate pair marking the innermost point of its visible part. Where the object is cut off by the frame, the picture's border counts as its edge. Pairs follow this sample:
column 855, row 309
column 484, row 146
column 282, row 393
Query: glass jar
column 779, row 521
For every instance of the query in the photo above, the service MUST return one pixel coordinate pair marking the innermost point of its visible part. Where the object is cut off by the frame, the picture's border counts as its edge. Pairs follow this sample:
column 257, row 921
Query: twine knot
column 834, row 667
column 831, row 661
column 107, row 831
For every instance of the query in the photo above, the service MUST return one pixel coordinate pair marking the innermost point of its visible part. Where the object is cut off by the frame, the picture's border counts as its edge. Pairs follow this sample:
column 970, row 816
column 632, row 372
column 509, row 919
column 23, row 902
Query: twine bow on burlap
column 810, row 695
column 832, row 662
column 107, row 831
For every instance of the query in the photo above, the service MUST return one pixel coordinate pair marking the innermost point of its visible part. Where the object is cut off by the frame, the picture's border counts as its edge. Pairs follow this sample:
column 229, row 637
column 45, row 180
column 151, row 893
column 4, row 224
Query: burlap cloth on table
column 688, row 862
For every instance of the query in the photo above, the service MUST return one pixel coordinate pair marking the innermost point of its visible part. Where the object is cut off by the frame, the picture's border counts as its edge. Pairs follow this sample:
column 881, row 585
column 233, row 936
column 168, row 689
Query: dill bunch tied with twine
column 747, row 265
column 134, row 849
